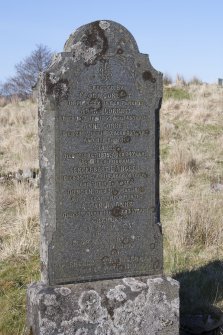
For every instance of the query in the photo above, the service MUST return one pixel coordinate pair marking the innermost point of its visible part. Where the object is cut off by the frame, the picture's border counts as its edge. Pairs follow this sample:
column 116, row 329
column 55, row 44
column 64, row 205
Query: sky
column 180, row 36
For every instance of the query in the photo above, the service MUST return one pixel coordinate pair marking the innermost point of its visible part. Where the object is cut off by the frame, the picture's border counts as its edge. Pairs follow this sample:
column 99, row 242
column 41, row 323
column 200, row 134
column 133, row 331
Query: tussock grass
column 176, row 93
column 191, row 203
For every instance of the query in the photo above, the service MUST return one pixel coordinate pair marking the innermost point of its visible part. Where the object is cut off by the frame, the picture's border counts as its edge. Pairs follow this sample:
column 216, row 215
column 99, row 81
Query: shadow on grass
column 201, row 294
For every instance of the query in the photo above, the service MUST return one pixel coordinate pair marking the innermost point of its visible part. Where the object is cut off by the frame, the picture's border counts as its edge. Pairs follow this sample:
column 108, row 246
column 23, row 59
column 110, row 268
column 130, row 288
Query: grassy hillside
column 191, row 200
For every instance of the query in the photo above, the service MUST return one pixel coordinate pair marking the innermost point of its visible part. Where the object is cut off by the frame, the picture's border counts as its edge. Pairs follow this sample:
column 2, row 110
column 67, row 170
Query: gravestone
column 101, row 238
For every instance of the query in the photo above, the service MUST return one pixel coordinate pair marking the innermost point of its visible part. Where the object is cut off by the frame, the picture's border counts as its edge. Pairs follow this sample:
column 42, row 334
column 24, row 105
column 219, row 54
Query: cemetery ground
column 191, row 195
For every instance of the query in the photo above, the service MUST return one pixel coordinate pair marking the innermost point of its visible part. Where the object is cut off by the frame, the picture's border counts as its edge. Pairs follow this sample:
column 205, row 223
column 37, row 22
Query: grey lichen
column 129, row 306
column 117, row 293
column 104, row 24
column 135, row 285
column 65, row 291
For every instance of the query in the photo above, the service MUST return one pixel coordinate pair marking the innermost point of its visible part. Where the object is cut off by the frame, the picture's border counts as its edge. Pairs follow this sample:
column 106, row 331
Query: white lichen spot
column 53, row 78
column 104, row 25
column 152, row 281
column 44, row 162
column 82, row 331
column 130, row 315
column 63, row 291
column 91, row 309
column 81, row 51
column 89, row 54
column 63, row 69
column 56, row 59
column 135, row 285
column 175, row 303
column 47, row 326
column 106, row 328
column 117, row 293
column 50, row 300
column 172, row 281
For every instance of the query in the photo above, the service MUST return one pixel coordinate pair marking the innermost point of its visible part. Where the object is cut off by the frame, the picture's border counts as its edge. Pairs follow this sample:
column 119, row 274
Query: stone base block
column 127, row 306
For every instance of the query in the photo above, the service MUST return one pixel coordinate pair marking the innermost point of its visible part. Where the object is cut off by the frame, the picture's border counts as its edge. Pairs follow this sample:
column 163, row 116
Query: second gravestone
column 99, row 192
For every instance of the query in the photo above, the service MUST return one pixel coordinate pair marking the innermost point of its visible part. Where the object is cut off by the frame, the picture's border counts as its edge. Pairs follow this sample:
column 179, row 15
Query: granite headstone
column 101, row 239
column 99, row 159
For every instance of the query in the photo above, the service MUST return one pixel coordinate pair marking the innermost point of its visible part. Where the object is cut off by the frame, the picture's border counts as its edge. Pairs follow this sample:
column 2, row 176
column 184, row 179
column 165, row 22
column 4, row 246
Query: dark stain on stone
column 114, row 192
column 122, row 94
column 152, row 246
column 126, row 139
column 153, row 208
column 116, row 211
column 120, row 51
column 131, row 180
column 126, row 241
column 59, row 89
column 157, row 265
column 114, row 252
column 110, row 310
column 95, row 37
column 95, row 104
column 147, row 75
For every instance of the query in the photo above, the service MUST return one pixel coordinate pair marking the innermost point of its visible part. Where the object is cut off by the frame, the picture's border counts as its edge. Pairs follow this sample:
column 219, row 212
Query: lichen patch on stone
column 63, row 291
column 82, row 331
column 117, row 293
column 104, row 25
column 135, row 285
column 152, row 281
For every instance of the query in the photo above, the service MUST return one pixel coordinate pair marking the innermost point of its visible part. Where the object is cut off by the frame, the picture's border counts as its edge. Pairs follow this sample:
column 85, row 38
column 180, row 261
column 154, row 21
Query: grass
column 176, row 93
column 191, row 208
column 15, row 274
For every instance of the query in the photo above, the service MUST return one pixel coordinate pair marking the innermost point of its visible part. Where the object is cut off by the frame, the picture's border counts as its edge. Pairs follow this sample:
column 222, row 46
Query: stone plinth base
column 128, row 306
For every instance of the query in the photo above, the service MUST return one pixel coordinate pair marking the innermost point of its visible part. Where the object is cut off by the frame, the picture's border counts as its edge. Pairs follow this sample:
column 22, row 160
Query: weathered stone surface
column 99, row 158
column 129, row 306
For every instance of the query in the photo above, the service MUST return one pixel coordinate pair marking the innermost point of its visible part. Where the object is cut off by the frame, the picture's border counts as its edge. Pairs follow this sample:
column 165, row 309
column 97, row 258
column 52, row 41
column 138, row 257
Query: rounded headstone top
column 103, row 37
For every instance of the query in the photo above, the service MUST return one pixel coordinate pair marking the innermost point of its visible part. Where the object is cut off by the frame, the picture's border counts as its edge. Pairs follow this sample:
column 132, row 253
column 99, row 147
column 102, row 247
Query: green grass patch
column 15, row 275
column 176, row 93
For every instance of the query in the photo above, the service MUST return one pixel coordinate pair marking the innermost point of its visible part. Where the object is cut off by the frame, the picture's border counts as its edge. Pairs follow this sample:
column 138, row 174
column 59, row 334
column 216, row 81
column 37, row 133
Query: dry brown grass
column 191, row 162
column 19, row 209
column 18, row 136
